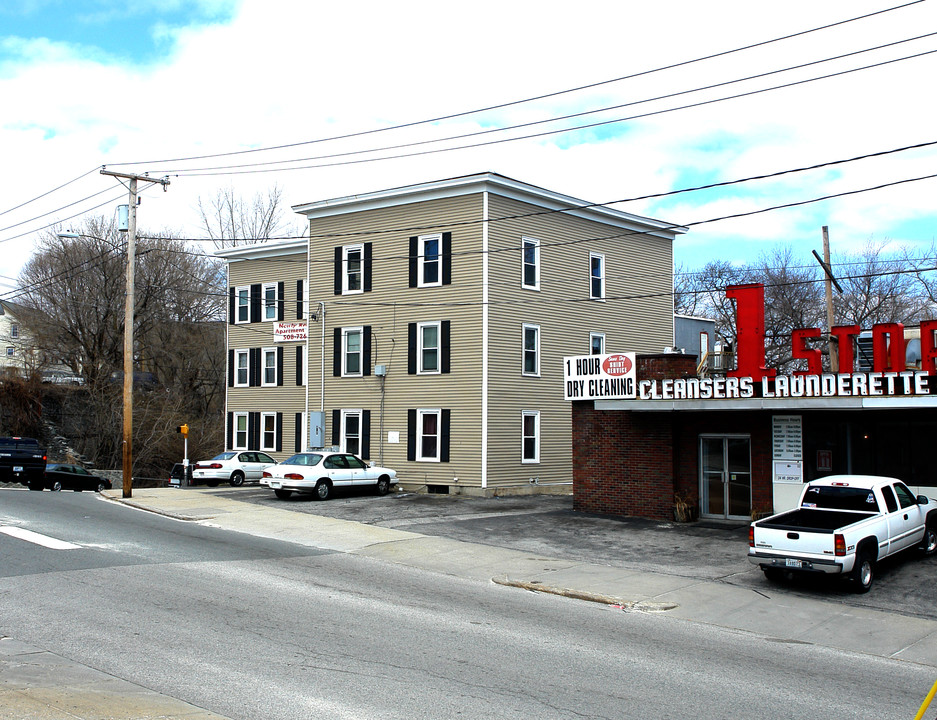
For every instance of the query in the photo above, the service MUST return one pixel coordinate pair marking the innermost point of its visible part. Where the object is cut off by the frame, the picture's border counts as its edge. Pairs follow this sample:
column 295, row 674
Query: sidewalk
column 42, row 686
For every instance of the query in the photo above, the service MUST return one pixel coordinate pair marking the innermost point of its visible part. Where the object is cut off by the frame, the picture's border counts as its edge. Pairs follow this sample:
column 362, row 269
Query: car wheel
column 863, row 573
column 101, row 487
column 237, row 478
column 323, row 490
column 56, row 486
column 283, row 494
column 929, row 544
column 383, row 485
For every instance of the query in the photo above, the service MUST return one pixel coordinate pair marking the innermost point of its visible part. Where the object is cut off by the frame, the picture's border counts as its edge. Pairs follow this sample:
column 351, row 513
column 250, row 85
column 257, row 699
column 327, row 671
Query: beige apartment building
column 428, row 328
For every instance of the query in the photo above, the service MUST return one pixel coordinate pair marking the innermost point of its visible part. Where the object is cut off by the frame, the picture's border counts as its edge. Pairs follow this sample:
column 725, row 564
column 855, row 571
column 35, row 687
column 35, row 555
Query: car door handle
column 905, row 517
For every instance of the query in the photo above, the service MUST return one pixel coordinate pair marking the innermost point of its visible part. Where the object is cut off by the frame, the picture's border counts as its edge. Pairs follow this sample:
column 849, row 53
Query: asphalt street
column 548, row 525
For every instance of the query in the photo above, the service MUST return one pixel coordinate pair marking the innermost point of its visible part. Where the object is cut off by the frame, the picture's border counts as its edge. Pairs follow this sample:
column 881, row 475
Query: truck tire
column 863, row 574
column 929, row 543
column 35, row 486
column 773, row 574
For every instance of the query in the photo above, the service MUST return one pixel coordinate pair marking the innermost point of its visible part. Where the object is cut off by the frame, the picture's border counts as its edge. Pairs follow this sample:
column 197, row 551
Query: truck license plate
column 791, row 562
column 17, row 468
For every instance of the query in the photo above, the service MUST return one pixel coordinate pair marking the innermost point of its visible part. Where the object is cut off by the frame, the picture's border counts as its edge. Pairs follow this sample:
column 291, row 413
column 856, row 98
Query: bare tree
column 230, row 220
column 75, row 289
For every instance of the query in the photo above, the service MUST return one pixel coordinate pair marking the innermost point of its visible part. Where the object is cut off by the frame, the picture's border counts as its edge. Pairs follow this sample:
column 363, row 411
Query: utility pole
column 830, row 282
column 128, row 322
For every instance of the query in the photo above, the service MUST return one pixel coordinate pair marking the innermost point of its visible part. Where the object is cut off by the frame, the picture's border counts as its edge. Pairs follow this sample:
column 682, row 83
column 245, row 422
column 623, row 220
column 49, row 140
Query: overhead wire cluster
column 195, row 165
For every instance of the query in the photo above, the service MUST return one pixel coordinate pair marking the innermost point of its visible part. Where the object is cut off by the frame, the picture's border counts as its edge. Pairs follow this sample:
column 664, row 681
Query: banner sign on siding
column 289, row 332
column 594, row 377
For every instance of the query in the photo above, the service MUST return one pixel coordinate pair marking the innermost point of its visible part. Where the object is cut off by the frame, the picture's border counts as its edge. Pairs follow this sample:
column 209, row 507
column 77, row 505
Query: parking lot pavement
column 547, row 525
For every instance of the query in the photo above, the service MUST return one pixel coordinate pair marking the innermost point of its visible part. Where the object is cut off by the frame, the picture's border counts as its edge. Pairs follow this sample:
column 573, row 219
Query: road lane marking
column 37, row 539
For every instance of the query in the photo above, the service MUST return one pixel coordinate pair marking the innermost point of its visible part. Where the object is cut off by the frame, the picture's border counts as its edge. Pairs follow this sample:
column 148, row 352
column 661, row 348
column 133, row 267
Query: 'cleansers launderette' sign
column 594, row 377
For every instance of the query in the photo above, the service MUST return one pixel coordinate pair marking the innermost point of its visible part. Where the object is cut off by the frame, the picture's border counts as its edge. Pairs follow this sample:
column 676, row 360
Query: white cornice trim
column 263, row 250
column 492, row 183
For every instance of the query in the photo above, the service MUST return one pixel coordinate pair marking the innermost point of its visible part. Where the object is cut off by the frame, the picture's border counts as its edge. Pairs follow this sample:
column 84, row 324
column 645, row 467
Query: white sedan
column 319, row 472
column 232, row 467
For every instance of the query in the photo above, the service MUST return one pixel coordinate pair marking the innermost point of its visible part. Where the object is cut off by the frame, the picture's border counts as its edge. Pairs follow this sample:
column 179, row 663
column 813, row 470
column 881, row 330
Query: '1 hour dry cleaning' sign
column 607, row 377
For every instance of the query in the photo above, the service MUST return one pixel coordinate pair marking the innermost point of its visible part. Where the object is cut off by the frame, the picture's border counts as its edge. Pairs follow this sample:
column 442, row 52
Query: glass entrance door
column 725, row 476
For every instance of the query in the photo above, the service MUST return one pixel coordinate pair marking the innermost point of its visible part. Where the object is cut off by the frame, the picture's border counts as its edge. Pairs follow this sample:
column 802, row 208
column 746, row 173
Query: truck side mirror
column 922, row 500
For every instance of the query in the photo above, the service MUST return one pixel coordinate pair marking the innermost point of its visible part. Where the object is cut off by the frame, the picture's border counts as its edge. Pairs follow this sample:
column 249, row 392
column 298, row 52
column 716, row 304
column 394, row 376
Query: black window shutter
column 231, row 307
column 444, row 346
column 281, row 301
column 411, row 434
column 231, row 368
column 253, row 369
column 229, row 435
column 367, row 266
column 253, row 431
column 444, row 437
column 280, row 366
column 366, row 362
column 411, row 348
column 338, row 270
column 279, row 432
column 447, row 258
column 298, row 433
column 336, row 427
column 299, row 299
column 365, row 434
column 414, row 242
column 299, row 364
column 337, row 352
column 256, row 298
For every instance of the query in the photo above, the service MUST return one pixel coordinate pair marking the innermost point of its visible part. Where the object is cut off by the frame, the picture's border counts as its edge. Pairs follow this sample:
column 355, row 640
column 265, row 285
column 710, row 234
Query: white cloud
column 281, row 73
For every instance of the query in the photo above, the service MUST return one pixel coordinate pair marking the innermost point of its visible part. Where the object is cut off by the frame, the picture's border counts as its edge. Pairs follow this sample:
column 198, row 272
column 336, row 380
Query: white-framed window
column 10, row 351
column 351, row 432
column 530, row 263
column 270, row 301
column 427, row 338
column 429, row 260
column 597, row 276
column 352, row 269
column 268, row 431
column 428, row 426
column 242, row 304
column 596, row 343
column 241, row 368
column 239, row 434
column 14, row 331
column 532, row 350
column 269, row 367
column 352, row 351
column 530, row 436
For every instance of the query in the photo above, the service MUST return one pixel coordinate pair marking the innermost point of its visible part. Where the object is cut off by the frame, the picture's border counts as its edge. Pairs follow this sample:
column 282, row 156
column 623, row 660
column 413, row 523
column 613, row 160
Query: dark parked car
column 64, row 476
column 180, row 475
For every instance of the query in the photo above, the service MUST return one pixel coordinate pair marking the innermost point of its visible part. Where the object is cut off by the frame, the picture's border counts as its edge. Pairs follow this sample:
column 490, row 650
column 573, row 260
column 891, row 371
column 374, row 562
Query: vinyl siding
column 638, row 270
column 387, row 310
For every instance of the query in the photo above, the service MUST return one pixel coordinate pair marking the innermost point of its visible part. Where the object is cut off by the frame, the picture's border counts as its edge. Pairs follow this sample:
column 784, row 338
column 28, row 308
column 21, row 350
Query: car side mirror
column 923, row 500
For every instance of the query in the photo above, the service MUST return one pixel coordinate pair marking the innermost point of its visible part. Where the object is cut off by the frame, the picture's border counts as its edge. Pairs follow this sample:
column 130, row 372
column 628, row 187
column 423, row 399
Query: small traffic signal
column 184, row 429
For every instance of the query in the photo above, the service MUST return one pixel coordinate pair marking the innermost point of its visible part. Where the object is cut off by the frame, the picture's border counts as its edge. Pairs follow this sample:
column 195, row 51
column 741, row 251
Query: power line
column 545, row 133
column 464, row 113
column 490, row 131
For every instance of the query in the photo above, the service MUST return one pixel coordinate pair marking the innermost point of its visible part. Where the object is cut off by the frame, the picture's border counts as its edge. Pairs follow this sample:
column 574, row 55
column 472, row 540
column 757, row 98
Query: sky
column 245, row 95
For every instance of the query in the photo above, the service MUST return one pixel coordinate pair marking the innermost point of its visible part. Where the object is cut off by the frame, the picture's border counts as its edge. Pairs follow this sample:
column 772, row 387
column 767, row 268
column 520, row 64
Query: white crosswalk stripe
column 37, row 539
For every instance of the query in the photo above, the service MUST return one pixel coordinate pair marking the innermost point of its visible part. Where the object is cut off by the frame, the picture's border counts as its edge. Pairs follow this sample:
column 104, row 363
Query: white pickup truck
column 844, row 524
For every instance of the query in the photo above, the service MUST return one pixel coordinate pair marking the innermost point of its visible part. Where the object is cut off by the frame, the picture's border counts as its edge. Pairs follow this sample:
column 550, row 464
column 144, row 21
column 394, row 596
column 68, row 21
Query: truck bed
column 812, row 520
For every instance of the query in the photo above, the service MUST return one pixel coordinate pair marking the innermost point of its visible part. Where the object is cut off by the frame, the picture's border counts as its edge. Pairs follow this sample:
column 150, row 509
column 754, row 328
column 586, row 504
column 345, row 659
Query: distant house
column 17, row 356
column 439, row 315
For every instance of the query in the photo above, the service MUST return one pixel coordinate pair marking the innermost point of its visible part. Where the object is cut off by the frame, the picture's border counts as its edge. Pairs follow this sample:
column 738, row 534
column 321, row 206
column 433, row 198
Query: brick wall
column 632, row 463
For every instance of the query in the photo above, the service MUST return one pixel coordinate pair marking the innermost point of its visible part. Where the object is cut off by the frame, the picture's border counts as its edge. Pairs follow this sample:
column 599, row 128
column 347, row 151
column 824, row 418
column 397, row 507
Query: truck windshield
column 840, row 498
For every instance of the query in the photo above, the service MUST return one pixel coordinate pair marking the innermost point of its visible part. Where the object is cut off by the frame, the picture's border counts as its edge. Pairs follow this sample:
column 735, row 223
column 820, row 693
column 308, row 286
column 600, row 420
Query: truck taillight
column 839, row 544
column 751, row 536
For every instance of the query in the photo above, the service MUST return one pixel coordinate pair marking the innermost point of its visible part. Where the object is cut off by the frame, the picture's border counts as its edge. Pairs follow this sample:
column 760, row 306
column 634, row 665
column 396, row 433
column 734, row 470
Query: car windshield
column 224, row 456
column 303, row 459
column 840, row 498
